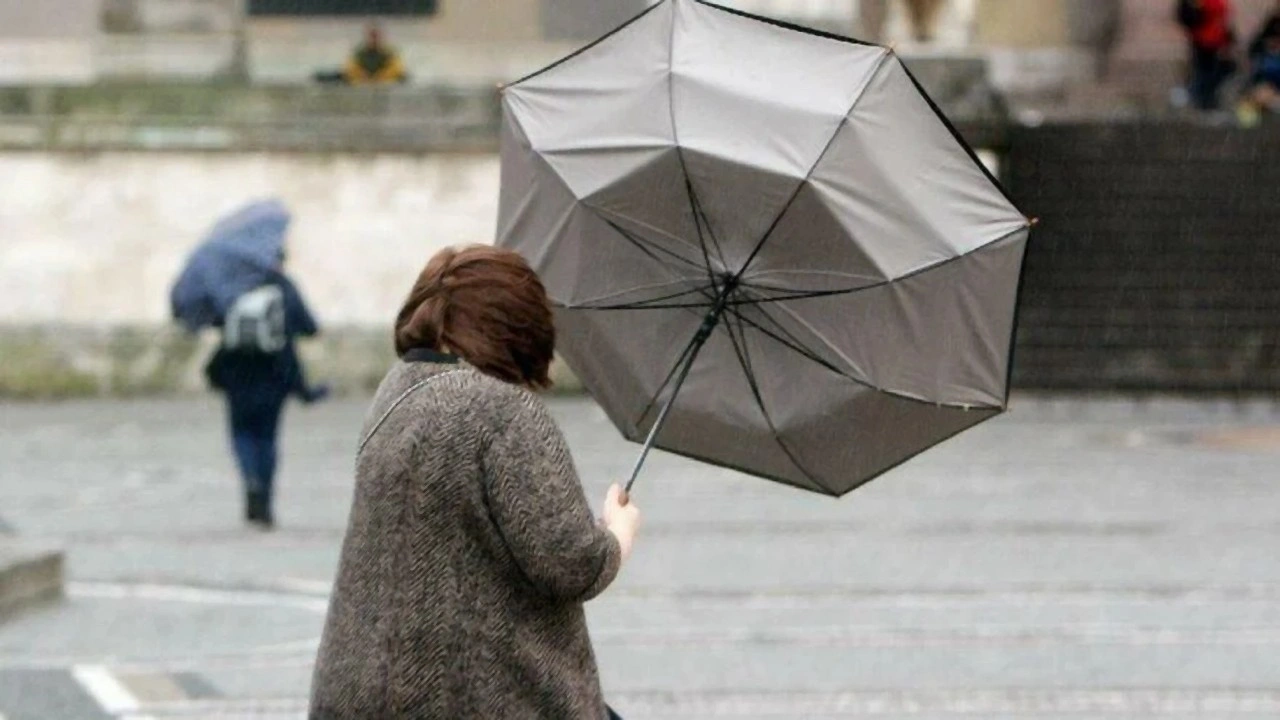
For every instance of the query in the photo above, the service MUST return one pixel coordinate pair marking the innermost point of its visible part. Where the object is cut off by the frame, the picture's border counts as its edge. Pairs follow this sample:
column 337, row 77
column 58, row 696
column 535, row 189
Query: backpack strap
column 403, row 396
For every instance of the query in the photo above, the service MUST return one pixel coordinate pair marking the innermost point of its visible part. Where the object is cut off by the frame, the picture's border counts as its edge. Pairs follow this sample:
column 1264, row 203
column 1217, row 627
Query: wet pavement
column 1076, row 558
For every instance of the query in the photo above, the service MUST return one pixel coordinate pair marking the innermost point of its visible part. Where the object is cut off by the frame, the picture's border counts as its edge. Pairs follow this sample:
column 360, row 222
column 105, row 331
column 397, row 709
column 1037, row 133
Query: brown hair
column 486, row 305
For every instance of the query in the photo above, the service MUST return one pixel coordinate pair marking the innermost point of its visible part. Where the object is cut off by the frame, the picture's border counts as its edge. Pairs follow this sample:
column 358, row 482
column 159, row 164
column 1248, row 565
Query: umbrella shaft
column 687, row 358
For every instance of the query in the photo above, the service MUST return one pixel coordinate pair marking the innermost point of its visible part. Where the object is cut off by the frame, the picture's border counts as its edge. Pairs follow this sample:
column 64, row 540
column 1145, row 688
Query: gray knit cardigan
column 469, row 553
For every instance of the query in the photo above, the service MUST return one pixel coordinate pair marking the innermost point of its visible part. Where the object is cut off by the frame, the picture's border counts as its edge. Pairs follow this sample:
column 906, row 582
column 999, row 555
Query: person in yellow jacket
column 374, row 62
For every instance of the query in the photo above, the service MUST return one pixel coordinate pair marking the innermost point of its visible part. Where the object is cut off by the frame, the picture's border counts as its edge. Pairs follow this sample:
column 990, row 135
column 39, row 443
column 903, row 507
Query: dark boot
column 250, row 507
column 256, row 509
column 266, row 518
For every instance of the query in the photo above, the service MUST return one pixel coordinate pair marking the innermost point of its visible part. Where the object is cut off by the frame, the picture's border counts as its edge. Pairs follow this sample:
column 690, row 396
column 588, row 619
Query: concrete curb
column 30, row 575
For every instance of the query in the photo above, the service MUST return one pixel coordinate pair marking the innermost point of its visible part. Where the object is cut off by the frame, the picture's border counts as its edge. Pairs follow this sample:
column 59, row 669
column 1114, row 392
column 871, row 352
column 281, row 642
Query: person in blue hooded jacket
column 257, row 382
column 235, row 281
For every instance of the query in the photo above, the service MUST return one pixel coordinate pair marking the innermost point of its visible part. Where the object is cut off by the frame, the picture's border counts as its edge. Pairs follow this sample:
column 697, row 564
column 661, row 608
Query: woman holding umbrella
column 235, row 280
column 471, row 548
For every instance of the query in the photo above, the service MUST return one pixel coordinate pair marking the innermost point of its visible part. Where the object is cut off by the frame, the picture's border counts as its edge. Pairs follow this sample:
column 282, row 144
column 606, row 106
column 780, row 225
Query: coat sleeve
column 298, row 320
column 541, row 511
column 215, row 371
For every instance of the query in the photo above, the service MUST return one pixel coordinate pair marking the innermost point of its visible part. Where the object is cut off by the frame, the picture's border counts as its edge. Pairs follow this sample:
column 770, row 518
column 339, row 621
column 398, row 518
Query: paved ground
column 1074, row 559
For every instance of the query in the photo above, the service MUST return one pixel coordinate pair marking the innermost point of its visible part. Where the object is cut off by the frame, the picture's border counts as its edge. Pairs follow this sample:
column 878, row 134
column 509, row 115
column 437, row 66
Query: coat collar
column 423, row 355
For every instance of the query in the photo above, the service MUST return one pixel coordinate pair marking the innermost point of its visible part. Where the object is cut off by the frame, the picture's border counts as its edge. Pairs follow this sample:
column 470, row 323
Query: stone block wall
column 1157, row 261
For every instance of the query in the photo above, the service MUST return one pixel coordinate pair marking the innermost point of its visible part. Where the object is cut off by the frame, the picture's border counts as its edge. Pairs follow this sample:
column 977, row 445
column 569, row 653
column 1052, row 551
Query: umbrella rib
column 754, row 278
column 650, row 304
column 800, row 346
column 813, row 168
column 796, row 346
column 792, row 295
column 588, row 303
column 684, row 166
column 702, row 241
column 674, row 368
column 648, row 247
column 744, row 360
column 810, row 295
column 700, row 214
column 805, row 295
column 604, row 211
column 659, row 303
column 809, row 354
column 666, row 306
column 666, row 381
column 693, row 205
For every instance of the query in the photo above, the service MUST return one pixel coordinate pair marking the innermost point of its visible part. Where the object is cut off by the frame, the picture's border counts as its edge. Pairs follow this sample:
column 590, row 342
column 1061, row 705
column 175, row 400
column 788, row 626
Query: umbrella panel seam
column 955, row 134
column 862, row 91
column 694, row 204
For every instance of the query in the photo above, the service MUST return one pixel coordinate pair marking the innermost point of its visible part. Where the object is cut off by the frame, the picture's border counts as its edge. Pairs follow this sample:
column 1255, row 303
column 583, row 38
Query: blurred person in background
column 1207, row 24
column 257, row 367
column 235, row 281
column 470, row 548
column 1263, row 93
column 372, row 63
column 1269, row 29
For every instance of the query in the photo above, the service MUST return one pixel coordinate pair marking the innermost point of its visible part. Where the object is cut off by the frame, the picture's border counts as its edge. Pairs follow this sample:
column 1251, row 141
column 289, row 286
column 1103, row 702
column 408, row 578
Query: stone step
column 31, row 574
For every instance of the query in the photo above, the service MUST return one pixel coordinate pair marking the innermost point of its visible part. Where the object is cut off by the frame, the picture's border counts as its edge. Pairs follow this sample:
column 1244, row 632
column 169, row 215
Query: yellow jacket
column 374, row 66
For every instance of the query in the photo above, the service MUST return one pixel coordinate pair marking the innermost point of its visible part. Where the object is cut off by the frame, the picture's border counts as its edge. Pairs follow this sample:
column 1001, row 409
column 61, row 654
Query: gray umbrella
column 767, row 247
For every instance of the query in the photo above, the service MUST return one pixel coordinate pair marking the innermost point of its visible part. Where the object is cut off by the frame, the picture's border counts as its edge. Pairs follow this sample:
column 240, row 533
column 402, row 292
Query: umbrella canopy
column 243, row 251
column 776, row 223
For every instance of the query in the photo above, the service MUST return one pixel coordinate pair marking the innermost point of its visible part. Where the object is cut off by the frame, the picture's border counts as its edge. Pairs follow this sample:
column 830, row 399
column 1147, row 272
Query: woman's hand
column 622, row 518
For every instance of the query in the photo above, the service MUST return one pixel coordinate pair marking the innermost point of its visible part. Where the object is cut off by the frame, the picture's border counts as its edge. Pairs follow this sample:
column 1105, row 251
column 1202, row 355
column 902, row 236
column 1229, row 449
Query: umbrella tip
column 1032, row 222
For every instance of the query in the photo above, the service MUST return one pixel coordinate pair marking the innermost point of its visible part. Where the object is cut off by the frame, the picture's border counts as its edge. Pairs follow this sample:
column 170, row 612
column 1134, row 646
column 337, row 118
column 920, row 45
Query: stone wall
column 1157, row 261
column 200, row 116
column 47, row 42
column 96, row 239
column 586, row 19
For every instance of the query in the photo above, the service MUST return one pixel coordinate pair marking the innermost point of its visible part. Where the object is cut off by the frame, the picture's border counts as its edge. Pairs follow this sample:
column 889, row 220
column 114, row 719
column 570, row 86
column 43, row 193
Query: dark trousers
column 255, row 426
column 1209, row 70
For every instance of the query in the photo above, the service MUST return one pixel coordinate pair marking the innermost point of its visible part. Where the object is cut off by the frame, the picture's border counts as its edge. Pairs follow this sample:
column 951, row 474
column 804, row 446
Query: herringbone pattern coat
column 469, row 553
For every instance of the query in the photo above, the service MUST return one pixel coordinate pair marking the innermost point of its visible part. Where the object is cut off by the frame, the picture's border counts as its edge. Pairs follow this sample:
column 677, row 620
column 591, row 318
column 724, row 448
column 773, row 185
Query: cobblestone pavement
column 1073, row 559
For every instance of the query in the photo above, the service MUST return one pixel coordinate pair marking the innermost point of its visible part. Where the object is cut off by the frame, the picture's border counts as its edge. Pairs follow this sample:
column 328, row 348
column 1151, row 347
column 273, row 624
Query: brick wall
column 1157, row 261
